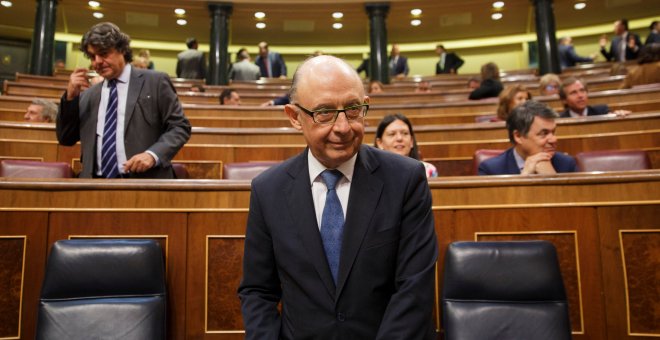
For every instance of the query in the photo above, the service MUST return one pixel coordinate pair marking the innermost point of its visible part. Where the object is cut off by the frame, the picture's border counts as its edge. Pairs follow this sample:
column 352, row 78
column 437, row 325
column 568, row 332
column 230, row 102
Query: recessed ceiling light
column 98, row 15
column 498, row 4
column 94, row 4
column 337, row 15
column 259, row 15
column 6, row 3
column 416, row 12
column 181, row 22
column 416, row 22
column 180, row 11
column 261, row 25
column 337, row 25
column 496, row 16
column 580, row 5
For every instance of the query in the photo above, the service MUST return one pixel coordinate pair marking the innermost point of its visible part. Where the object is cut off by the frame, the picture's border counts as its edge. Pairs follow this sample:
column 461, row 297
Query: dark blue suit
column 568, row 57
column 505, row 164
column 613, row 54
column 385, row 284
column 595, row 110
column 277, row 65
column 400, row 67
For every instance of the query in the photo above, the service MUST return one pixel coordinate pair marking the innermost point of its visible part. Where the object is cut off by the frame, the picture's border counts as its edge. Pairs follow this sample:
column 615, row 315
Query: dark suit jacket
column 278, row 67
column 568, row 57
column 652, row 38
column 400, row 67
column 452, row 61
column 488, row 88
column 630, row 53
column 191, row 64
column 595, row 110
column 153, row 121
column 505, row 164
column 386, row 272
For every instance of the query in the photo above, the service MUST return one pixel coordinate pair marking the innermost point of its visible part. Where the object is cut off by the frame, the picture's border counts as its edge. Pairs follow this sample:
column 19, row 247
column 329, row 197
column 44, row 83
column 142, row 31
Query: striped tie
column 332, row 221
column 109, row 147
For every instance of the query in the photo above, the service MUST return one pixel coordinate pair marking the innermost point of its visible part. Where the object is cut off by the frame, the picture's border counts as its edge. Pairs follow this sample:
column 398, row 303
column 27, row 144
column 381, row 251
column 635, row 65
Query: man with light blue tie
column 271, row 64
column 341, row 235
column 130, row 125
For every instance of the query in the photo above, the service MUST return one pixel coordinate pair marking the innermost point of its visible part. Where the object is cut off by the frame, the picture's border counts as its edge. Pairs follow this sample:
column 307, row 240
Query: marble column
column 546, row 39
column 218, row 56
column 43, row 38
column 378, row 65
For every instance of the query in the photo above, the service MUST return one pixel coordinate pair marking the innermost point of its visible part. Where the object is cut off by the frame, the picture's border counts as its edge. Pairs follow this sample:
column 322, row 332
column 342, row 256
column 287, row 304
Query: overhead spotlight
column 6, row 3
column 259, row 15
column 98, row 15
column 181, row 22
column 580, row 5
column 496, row 16
column 416, row 22
column 261, row 25
column 416, row 12
column 337, row 15
column 94, row 4
column 180, row 11
column 337, row 25
column 498, row 4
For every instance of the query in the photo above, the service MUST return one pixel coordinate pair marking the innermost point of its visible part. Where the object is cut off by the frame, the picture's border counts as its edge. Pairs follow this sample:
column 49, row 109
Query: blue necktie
column 332, row 221
column 109, row 145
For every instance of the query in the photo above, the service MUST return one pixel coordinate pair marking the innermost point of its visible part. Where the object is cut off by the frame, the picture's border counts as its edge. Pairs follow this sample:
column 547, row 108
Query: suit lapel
column 134, row 89
column 300, row 201
column 362, row 202
column 512, row 166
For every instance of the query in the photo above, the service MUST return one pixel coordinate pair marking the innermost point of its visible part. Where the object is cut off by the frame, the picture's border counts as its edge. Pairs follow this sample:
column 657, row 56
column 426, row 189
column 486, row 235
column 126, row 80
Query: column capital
column 221, row 7
column 377, row 8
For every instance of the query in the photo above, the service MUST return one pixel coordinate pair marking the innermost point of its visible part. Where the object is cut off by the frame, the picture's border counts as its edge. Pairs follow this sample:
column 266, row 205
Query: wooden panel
column 627, row 223
column 215, row 256
column 163, row 227
column 21, row 231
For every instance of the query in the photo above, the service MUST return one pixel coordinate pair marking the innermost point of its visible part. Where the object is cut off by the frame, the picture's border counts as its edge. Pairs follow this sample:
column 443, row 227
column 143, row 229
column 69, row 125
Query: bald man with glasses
column 342, row 235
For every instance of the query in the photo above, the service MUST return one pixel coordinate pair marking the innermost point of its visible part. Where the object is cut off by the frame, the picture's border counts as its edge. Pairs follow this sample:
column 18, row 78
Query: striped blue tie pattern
column 332, row 221
column 109, row 145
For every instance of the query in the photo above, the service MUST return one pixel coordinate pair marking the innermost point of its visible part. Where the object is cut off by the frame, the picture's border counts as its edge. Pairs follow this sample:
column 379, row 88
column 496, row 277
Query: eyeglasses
column 329, row 116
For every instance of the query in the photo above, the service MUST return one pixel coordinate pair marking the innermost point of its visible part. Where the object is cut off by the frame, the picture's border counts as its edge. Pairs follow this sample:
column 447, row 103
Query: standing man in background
column 129, row 125
column 191, row 63
column 625, row 45
column 243, row 69
column 270, row 64
column 567, row 55
column 341, row 235
column 449, row 62
column 398, row 63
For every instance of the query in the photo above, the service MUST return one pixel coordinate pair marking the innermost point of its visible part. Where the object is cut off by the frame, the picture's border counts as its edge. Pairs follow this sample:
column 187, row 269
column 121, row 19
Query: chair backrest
column 180, row 171
column 613, row 160
column 504, row 290
column 103, row 289
column 245, row 170
column 482, row 155
column 34, row 169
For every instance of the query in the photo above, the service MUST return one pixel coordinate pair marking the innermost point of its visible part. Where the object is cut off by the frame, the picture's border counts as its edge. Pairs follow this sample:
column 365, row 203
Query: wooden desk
column 600, row 224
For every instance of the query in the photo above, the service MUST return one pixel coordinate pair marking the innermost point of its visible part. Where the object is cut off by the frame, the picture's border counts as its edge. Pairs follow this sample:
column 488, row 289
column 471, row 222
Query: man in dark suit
column 341, row 235
column 567, row 55
column 448, row 63
column 531, row 128
column 575, row 97
column 271, row 64
column 654, row 35
column 191, row 63
column 625, row 45
column 129, row 125
column 398, row 63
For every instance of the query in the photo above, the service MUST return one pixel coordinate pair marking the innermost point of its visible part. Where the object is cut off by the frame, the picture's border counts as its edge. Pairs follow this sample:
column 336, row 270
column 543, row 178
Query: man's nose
column 341, row 124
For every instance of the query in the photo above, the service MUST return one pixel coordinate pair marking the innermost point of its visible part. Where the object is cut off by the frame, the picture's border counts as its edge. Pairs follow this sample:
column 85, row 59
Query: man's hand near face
column 538, row 164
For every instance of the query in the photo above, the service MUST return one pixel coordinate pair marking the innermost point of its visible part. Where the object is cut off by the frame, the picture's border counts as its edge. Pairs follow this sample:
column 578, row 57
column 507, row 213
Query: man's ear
column 294, row 116
column 517, row 137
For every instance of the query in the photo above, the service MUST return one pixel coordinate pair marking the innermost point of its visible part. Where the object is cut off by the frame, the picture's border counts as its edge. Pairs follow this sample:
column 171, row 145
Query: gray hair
column 522, row 117
column 49, row 111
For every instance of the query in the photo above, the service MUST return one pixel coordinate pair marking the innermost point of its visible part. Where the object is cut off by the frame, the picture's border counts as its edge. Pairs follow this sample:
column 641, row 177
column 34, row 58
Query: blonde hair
column 506, row 97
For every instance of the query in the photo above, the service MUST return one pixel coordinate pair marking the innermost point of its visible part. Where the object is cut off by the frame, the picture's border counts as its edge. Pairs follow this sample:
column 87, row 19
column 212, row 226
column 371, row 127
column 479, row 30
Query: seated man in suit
column 340, row 240
column 129, row 125
column 398, row 63
column 575, row 97
column 230, row 97
column 271, row 64
column 449, row 62
column 531, row 128
column 41, row 110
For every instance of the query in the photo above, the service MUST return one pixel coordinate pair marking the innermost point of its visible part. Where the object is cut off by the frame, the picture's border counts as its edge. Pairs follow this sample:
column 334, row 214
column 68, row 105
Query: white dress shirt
column 319, row 190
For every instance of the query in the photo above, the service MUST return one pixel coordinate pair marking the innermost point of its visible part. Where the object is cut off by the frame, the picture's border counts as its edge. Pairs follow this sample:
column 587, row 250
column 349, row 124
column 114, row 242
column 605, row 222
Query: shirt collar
column 575, row 114
column 124, row 76
column 520, row 162
column 316, row 168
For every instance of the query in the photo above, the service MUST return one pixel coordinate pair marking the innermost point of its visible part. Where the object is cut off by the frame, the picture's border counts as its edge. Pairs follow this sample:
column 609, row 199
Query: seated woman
column 395, row 134
column 549, row 84
column 376, row 87
column 511, row 97
column 490, row 83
